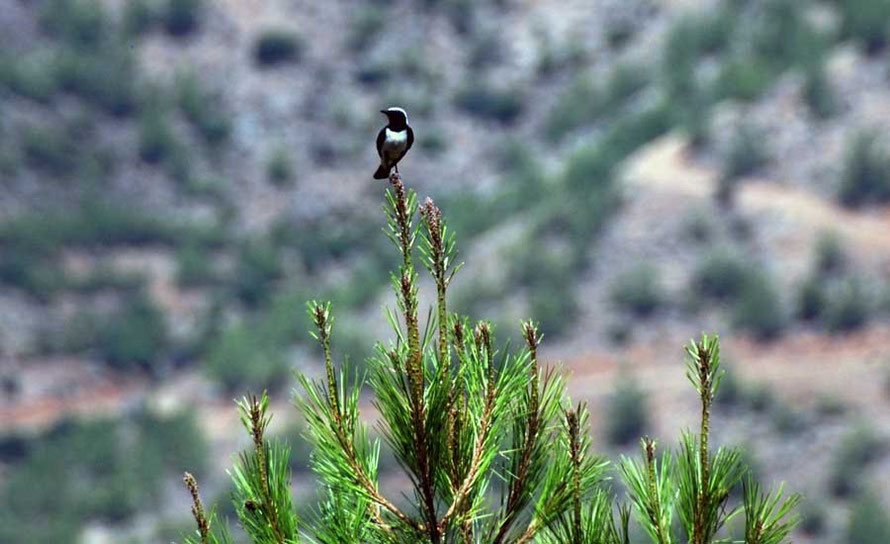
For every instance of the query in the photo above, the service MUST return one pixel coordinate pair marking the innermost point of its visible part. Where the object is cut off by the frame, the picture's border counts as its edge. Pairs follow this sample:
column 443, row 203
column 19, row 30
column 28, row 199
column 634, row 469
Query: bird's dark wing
column 410, row 139
column 381, row 136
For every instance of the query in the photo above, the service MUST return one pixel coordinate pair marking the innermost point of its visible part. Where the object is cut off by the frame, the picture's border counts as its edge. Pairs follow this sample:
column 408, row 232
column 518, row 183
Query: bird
column 393, row 141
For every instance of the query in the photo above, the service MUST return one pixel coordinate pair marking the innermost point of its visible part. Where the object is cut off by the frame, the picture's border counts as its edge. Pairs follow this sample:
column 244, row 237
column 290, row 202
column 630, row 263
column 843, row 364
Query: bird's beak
column 383, row 112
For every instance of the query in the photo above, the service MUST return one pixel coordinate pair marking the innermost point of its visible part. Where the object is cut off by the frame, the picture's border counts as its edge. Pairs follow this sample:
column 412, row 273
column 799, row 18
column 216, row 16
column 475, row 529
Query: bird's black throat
column 397, row 125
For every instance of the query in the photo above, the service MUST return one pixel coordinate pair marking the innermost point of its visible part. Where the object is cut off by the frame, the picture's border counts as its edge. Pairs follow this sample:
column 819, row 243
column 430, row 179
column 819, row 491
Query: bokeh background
column 180, row 176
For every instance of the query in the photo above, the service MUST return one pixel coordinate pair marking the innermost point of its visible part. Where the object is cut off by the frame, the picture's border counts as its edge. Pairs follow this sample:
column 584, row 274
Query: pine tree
column 495, row 450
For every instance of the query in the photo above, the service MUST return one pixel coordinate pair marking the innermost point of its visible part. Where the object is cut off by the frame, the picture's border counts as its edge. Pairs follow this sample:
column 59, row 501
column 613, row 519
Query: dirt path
column 803, row 369
column 65, row 387
column 665, row 166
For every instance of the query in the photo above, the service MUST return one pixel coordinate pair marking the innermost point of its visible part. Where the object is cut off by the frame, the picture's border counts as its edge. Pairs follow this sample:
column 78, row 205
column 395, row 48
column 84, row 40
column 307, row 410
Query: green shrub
column 139, row 16
column 713, row 31
column 551, row 266
column 473, row 297
column 486, row 102
column 619, row 331
column 301, row 448
column 787, row 420
column 695, row 119
column 106, row 78
column 760, row 397
column 30, row 76
column 628, row 416
column 244, row 356
column 364, row 26
column 747, row 153
column 31, row 271
column 179, row 167
column 689, row 39
column 720, row 275
column 831, row 406
column 547, row 276
column 584, row 102
column 758, row 308
column 374, row 71
column 277, row 46
column 697, row 35
column 743, row 79
column 819, row 93
column 857, row 450
column 81, row 23
column 865, row 177
column 623, row 82
column 848, row 308
column 194, row 267
column 698, row 225
column 433, row 142
column 830, row 254
column 353, row 342
column 485, row 50
column 785, row 37
column 524, row 171
column 579, row 105
column 104, row 277
column 172, row 436
column 417, row 64
column 182, row 17
column 630, row 132
column 812, row 299
column 868, row 521
column 865, row 21
column 203, row 109
column 366, row 279
column 639, row 290
column 817, row 294
column 258, row 268
column 594, row 195
column 10, row 161
column 554, row 306
column 134, row 336
column 572, row 53
column 461, row 14
column 548, row 58
column 472, row 211
column 319, row 241
column 279, row 167
column 813, row 517
column 619, row 33
column 157, row 141
column 681, row 56
column 731, row 392
column 724, row 194
column 50, row 150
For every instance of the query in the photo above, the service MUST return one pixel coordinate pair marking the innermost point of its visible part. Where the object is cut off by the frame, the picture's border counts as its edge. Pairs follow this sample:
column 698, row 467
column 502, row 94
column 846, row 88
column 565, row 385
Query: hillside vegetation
column 180, row 176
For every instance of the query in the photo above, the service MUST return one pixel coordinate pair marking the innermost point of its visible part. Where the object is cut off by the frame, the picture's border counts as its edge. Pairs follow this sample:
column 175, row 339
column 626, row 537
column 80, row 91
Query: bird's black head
column 397, row 117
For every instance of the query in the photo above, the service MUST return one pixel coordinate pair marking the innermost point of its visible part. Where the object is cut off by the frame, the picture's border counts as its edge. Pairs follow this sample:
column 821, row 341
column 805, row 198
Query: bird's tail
column 382, row 172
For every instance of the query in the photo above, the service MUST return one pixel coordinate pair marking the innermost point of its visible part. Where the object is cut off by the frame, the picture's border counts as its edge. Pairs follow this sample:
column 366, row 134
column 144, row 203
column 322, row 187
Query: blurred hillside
column 180, row 176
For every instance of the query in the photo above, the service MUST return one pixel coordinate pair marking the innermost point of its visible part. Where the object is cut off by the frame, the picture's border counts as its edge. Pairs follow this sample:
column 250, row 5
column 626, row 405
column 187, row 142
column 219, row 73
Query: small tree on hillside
column 494, row 449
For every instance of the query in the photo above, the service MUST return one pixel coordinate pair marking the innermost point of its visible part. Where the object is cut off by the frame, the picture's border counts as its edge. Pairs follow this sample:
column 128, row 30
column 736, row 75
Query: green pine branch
column 487, row 436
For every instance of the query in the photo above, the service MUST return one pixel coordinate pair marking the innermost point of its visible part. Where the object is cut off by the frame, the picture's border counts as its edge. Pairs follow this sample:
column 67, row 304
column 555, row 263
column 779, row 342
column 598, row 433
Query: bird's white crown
column 395, row 109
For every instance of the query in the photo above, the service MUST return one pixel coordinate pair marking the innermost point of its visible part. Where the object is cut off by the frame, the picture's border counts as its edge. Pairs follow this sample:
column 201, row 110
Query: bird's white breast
column 395, row 141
